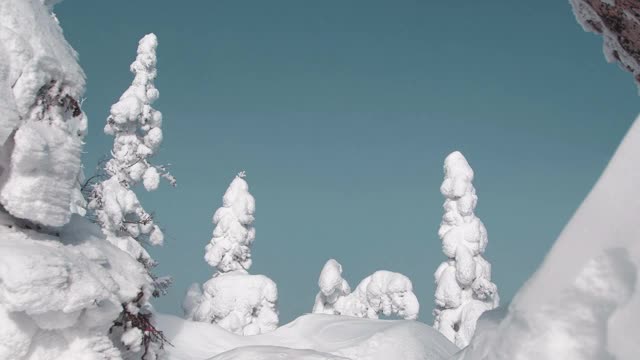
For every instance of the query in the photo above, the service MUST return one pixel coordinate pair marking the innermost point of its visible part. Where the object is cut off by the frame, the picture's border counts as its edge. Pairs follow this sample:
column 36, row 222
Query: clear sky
column 342, row 112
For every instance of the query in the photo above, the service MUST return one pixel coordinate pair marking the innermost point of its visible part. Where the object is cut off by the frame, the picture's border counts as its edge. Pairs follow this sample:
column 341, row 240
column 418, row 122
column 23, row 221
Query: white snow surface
column 310, row 337
column 583, row 303
column 238, row 302
column 463, row 282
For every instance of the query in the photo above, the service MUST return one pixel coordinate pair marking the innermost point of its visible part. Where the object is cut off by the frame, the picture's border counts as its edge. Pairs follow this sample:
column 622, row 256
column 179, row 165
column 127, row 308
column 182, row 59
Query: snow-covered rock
column 309, row 337
column 618, row 21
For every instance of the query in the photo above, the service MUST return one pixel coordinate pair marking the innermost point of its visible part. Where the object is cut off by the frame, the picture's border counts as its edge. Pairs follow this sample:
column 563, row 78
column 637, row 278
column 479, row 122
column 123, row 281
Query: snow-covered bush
column 332, row 288
column 463, row 283
column 235, row 300
column 241, row 303
column 136, row 127
column 382, row 293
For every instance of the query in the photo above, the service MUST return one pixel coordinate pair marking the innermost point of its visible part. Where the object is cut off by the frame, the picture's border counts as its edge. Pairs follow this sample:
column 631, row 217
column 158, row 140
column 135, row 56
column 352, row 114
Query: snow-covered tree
column 230, row 247
column 235, row 300
column 136, row 128
column 62, row 283
column 463, row 282
column 332, row 288
column 382, row 293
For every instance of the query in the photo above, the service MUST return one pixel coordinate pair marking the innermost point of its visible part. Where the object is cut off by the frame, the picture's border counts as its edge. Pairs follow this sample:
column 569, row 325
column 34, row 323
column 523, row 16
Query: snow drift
column 313, row 336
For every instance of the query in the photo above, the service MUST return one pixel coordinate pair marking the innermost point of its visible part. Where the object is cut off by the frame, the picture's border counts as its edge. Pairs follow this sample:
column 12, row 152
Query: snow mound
column 332, row 336
column 274, row 352
column 583, row 302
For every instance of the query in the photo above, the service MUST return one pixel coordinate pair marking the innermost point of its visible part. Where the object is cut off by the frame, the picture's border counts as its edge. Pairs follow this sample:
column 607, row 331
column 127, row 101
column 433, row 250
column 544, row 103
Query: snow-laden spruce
column 382, row 293
column 463, row 283
column 235, row 300
column 61, row 283
column 136, row 128
column 230, row 246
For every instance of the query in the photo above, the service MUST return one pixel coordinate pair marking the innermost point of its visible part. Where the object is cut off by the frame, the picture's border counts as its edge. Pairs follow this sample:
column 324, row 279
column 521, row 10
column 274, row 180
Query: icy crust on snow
column 230, row 247
column 329, row 335
column 463, row 283
column 40, row 86
column 586, row 290
column 382, row 293
column 60, row 295
column 238, row 302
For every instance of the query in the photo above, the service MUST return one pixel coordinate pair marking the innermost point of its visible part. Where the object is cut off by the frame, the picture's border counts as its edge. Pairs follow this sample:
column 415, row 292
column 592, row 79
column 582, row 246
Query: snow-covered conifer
column 136, row 128
column 235, row 300
column 332, row 288
column 463, row 282
column 382, row 293
column 230, row 246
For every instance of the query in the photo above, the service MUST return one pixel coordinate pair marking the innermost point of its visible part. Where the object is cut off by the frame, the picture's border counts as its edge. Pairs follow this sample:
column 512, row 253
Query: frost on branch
column 618, row 21
column 463, row 283
column 235, row 300
column 382, row 293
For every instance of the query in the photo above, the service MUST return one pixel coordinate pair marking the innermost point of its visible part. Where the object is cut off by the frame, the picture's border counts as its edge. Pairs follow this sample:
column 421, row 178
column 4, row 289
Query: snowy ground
column 309, row 337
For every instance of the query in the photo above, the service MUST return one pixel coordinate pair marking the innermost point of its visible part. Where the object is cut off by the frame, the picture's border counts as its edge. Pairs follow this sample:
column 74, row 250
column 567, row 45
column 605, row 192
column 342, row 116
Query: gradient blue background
column 342, row 112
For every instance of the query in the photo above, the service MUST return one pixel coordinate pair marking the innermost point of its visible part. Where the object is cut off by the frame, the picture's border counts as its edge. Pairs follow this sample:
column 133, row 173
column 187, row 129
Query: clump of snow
column 41, row 124
column 240, row 303
column 60, row 295
column 310, row 337
column 463, row 282
column 230, row 247
column 382, row 293
column 235, row 300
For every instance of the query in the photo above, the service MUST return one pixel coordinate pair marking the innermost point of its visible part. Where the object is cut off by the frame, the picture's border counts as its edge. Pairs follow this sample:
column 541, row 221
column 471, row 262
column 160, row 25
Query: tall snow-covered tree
column 463, row 282
column 235, row 300
column 381, row 293
column 136, row 128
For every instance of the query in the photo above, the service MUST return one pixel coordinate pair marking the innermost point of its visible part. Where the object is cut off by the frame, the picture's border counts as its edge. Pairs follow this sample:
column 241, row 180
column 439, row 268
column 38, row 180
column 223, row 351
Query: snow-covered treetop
column 136, row 125
column 383, row 292
column 234, row 233
column 332, row 288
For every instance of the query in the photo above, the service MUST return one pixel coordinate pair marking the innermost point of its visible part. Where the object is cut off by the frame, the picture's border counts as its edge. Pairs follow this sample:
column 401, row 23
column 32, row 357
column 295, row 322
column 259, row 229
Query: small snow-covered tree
column 136, row 128
column 233, row 299
column 463, row 282
column 332, row 288
column 382, row 293
column 230, row 247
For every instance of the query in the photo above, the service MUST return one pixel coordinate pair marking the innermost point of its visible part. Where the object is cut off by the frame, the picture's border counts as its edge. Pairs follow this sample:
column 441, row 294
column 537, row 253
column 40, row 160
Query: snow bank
column 309, row 337
column 583, row 302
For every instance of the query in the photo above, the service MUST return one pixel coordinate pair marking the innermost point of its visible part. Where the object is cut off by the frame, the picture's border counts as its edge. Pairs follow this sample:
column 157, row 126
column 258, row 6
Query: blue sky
column 342, row 113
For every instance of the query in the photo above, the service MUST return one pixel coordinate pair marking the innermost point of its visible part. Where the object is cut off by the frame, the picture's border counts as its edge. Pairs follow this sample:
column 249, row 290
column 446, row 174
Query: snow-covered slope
column 584, row 301
column 314, row 336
